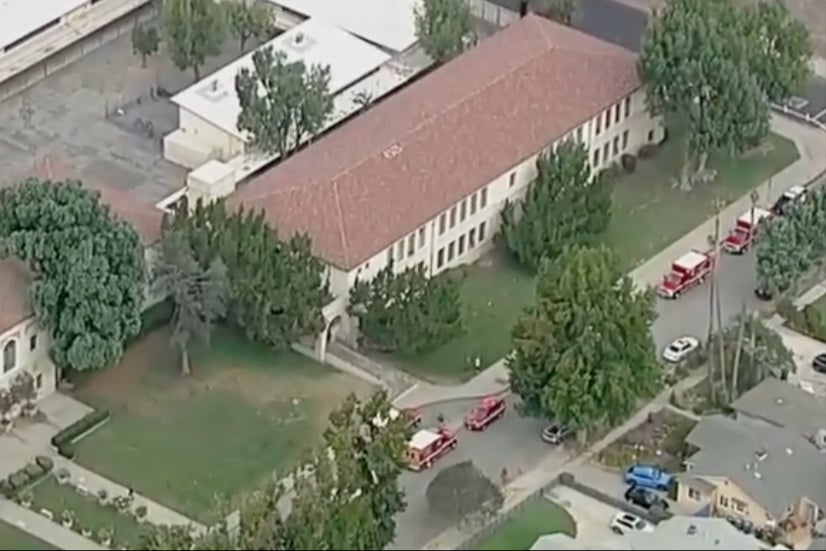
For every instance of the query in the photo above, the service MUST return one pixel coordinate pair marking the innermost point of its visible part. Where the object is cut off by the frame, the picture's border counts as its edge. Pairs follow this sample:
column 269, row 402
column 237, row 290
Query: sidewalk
column 43, row 528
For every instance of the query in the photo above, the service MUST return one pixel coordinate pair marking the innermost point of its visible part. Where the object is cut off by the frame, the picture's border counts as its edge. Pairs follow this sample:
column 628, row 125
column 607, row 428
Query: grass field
column 13, row 538
column 649, row 214
column 519, row 532
column 243, row 413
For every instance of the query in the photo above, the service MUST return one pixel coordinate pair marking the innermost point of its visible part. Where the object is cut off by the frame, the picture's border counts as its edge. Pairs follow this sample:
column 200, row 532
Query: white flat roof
column 388, row 23
column 20, row 17
column 759, row 214
column 214, row 99
column 423, row 439
column 691, row 260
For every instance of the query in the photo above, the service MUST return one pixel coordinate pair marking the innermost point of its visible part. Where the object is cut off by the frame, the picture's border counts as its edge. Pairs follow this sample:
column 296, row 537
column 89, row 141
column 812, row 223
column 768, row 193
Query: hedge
column 65, row 439
column 25, row 477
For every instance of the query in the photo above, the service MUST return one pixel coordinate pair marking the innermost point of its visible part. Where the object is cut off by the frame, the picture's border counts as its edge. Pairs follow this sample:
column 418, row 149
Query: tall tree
column 193, row 31
column 565, row 206
column 444, row 28
column 145, row 41
column 584, row 352
column 712, row 66
column 462, row 492
column 249, row 19
column 282, row 102
column 87, row 266
column 561, row 11
column 406, row 311
column 199, row 294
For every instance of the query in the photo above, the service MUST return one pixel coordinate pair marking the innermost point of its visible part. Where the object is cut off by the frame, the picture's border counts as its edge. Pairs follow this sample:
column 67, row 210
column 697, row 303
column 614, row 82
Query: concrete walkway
column 43, row 528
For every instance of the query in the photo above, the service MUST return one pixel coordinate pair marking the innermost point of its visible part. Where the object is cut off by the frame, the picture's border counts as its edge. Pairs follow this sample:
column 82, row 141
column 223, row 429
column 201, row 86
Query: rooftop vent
column 692, row 529
column 299, row 38
column 392, row 151
column 214, row 91
column 301, row 42
column 761, row 455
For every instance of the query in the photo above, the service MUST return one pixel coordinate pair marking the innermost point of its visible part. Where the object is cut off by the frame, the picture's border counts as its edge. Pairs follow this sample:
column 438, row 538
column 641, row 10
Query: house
column 766, row 468
column 420, row 177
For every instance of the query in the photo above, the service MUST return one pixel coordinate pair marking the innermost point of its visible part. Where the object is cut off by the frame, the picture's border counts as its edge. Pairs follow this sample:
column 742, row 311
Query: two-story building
column 421, row 177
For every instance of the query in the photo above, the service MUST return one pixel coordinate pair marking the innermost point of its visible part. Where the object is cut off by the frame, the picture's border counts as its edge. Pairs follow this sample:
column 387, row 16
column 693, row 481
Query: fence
column 784, row 109
column 490, row 12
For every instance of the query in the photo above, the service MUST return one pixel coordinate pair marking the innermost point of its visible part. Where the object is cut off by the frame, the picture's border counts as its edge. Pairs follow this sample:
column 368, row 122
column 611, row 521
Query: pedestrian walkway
column 43, row 528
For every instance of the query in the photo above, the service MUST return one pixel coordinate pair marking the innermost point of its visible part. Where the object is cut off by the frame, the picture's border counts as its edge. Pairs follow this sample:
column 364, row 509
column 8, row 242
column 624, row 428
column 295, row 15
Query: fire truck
column 488, row 410
column 687, row 271
column 745, row 230
column 428, row 445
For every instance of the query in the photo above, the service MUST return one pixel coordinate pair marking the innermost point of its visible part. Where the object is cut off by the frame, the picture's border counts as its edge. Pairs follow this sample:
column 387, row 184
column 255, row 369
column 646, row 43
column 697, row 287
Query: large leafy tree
column 145, row 41
column 444, row 27
column 193, row 30
column 87, row 266
column 584, row 352
column 565, row 206
column 248, row 19
column 282, row 102
column 276, row 288
column 712, row 66
column 198, row 294
column 406, row 311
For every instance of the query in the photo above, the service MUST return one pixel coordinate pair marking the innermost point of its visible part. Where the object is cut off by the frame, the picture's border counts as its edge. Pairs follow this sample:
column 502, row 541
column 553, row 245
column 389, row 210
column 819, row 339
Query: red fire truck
column 745, row 230
column 488, row 410
column 687, row 271
column 428, row 445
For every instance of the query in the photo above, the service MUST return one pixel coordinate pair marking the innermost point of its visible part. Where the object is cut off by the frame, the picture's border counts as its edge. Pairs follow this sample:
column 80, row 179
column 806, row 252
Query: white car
column 622, row 523
column 678, row 350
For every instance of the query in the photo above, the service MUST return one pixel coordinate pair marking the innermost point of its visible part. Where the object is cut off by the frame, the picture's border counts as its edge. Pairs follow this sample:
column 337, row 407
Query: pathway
column 43, row 528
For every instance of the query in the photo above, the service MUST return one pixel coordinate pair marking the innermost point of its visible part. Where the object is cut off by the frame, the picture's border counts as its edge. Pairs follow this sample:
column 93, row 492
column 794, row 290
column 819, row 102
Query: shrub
column 27, row 497
column 141, row 511
column 76, row 429
column 62, row 474
column 67, row 450
column 18, row 480
column 45, row 463
column 103, row 495
column 629, row 162
column 7, row 489
column 33, row 470
column 647, row 151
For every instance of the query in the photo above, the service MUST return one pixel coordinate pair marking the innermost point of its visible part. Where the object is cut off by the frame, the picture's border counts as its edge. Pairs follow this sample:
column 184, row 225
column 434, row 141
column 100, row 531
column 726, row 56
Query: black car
column 819, row 363
column 554, row 433
column 645, row 498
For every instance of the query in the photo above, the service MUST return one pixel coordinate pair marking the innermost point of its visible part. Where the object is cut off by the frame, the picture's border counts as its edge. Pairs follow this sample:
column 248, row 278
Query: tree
column 584, row 353
column 249, row 19
column 277, row 288
column 406, row 311
column 561, row 11
column 193, row 30
column 444, row 28
column 565, row 206
column 462, row 492
column 87, row 268
column 145, row 41
column 282, row 102
column 199, row 295
column 712, row 67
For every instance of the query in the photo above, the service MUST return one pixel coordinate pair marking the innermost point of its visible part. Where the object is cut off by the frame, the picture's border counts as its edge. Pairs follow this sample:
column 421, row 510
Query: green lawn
column 88, row 513
column 244, row 413
column 820, row 305
column 13, row 538
column 539, row 518
column 648, row 215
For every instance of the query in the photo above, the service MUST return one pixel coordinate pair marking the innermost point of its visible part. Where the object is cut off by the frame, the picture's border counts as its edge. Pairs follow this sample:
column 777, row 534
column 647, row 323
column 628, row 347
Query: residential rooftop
column 214, row 99
column 383, row 174
column 784, row 405
column 19, row 18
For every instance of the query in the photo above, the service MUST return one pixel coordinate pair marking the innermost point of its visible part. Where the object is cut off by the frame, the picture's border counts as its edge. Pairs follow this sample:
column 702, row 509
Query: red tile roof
column 388, row 171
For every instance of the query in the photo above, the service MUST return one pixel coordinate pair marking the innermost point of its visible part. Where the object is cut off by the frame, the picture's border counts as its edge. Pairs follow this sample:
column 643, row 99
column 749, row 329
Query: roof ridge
column 345, row 244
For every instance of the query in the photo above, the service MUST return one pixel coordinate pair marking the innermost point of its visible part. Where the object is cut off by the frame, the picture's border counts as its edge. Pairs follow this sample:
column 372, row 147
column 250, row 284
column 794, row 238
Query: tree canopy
column 711, row 66
column 282, row 102
column 277, row 288
column 444, row 28
column 145, row 41
column 584, row 353
column 561, row 11
column 461, row 492
column 406, row 311
column 563, row 207
column 87, row 267
column 249, row 19
column 193, row 30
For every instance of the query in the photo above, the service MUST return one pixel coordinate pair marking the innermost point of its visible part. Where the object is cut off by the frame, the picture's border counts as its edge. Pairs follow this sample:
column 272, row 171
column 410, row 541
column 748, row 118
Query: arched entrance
column 332, row 329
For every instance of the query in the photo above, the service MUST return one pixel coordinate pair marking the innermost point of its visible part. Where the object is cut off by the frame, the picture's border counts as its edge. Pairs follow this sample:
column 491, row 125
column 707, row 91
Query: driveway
column 592, row 518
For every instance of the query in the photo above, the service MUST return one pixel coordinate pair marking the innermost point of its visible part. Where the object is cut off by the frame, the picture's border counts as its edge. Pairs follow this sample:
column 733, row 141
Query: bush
column 141, row 511
column 18, row 480
column 33, row 470
column 629, row 162
column 154, row 317
column 45, row 463
column 76, row 429
column 647, row 151
column 67, row 450
column 103, row 495
column 6, row 489
column 62, row 474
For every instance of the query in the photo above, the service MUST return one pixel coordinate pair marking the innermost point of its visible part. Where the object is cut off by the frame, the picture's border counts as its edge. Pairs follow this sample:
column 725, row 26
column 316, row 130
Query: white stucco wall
column 31, row 347
column 222, row 144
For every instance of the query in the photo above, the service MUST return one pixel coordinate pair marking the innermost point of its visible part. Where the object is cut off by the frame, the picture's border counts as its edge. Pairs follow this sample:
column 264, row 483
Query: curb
column 452, row 399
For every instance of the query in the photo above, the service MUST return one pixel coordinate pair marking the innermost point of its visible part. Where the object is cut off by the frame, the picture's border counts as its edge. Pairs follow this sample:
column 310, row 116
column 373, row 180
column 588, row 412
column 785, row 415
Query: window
column 453, row 217
column 579, row 134
column 724, row 502
column 693, row 494
column 461, row 245
column 463, row 211
column 440, row 258
column 442, row 223
column 38, row 381
column 9, row 355
column 608, row 119
column 596, row 157
column 483, row 198
column 450, row 251
column 606, row 149
column 421, row 236
column 598, row 127
column 616, row 145
column 512, row 179
column 390, row 254
column 650, row 136
column 617, row 113
column 33, row 342
column 411, row 244
column 481, row 232
column 625, row 140
column 739, row 506
column 473, row 204
column 400, row 249
column 471, row 238
column 628, row 106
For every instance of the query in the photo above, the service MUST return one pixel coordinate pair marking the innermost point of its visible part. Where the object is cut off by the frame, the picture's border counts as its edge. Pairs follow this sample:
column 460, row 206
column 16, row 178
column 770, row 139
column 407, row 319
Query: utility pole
column 733, row 395
column 712, row 292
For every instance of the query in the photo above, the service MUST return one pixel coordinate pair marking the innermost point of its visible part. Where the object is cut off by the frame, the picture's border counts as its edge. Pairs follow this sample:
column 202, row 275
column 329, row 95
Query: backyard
column 243, row 413
column 649, row 213
column 12, row 537
column 538, row 518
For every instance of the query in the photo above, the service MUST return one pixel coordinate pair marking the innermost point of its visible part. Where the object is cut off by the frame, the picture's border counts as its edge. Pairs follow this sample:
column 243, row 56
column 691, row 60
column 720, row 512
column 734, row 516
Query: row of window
column 616, row 112
column 10, row 352
column 464, row 209
column 611, row 149
column 455, row 249
column 723, row 501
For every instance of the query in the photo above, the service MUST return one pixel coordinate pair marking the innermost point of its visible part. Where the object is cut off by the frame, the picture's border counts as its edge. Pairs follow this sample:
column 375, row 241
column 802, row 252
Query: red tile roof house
column 421, row 176
column 23, row 343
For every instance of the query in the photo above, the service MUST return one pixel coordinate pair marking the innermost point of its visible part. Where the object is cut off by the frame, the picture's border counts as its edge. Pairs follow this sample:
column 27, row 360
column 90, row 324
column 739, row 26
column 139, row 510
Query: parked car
column 793, row 196
column 622, row 523
column 648, row 476
column 645, row 498
column 679, row 350
column 555, row 433
column 819, row 363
